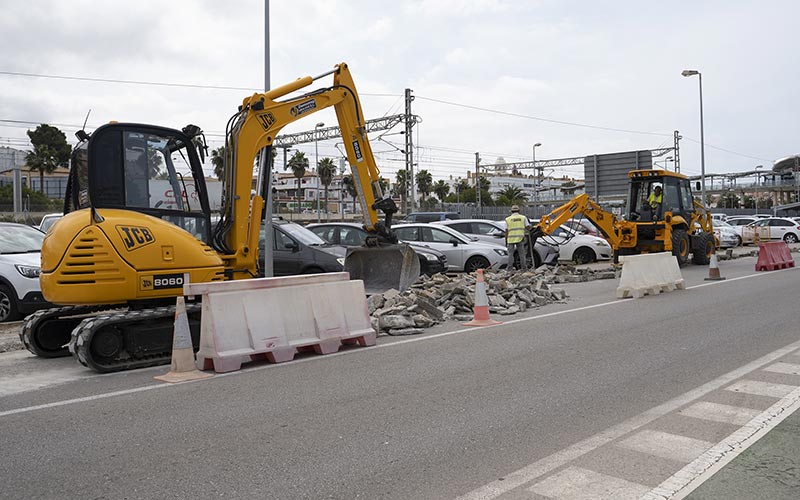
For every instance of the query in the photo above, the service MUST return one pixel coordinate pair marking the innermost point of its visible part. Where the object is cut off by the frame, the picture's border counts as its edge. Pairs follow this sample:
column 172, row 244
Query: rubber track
column 82, row 335
column 30, row 340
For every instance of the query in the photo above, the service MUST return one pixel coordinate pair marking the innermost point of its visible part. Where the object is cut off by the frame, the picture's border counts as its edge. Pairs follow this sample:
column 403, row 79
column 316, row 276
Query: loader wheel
column 703, row 249
column 680, row 246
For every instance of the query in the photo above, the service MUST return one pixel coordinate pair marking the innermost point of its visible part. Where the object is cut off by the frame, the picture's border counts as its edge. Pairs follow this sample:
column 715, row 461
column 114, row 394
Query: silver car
column 493, row 232
column 463, row 253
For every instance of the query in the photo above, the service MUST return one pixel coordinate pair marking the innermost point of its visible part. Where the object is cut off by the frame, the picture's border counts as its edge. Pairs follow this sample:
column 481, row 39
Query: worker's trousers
column 518, row 247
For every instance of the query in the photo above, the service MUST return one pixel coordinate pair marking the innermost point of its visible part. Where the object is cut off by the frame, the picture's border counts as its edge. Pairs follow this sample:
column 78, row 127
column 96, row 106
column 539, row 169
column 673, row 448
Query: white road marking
column 105, row 395
column 759, row 388
column 665, row 445
column 537, row 469
column 686, row 480
column 717, row 412
column 576, row 483
column 781, row 367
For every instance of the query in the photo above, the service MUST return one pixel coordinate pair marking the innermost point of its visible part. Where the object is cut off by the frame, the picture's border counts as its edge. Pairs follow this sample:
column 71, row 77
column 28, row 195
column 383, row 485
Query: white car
column 743, row 227
column 47, row 221
column 778, row 228
column 463, row 253
column 579, row 248
column 20, row 263
column 726, row 234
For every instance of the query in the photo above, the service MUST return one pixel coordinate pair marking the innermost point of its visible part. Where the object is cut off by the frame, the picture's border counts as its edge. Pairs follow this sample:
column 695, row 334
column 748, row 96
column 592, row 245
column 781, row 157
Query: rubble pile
column 432, row 300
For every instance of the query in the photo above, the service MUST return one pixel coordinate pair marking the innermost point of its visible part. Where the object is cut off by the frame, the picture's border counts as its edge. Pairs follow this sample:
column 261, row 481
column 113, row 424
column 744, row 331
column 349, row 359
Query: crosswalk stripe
column 665, row 445
column 717, row 412
column 781, row 367
column 759, row 388
column 577, row 483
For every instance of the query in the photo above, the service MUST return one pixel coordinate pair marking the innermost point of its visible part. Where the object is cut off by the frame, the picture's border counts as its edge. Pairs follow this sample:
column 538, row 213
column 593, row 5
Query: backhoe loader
column 137, row 226
column 670, row 221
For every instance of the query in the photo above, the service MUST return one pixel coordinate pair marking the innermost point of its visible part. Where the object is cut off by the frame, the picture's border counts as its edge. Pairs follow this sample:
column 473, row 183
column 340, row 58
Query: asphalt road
column 503, row 412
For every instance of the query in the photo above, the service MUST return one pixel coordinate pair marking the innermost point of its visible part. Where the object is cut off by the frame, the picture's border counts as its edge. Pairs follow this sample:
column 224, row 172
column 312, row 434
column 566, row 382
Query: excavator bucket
column 382, row 268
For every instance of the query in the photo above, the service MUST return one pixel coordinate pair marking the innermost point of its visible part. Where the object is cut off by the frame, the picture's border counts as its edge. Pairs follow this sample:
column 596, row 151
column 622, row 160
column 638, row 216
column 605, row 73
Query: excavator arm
column 605, row 221
column 256, row 125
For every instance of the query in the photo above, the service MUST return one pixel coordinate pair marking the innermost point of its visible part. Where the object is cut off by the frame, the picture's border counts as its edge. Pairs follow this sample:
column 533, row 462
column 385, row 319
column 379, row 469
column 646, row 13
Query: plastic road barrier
column 649, row 274
column 774, row 255
column 275, row 318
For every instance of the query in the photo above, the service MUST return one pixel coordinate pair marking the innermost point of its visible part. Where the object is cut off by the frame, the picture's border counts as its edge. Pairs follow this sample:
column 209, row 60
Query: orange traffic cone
column 713, row 268
column 183, row 363
column 480, row 311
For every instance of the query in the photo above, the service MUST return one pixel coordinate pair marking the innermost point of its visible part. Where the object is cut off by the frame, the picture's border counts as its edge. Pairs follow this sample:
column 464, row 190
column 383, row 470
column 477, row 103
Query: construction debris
column 434, row 299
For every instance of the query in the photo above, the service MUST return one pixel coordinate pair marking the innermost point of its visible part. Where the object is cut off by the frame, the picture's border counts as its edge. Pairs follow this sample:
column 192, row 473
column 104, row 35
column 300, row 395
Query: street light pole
column 316, row 159
column 758, row 184
column 692, row 72
column 535, row 187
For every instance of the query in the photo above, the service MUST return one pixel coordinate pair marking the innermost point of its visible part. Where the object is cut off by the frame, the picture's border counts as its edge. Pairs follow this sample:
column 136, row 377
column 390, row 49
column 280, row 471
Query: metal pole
column 478, row 181
column 411, row 182
column 268, row 234
column 702, row 145
column 316, row 159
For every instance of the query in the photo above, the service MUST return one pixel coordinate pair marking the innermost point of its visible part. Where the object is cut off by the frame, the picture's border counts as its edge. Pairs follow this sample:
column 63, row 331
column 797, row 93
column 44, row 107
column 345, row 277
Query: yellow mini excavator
column 137, row 225
column 661, row 215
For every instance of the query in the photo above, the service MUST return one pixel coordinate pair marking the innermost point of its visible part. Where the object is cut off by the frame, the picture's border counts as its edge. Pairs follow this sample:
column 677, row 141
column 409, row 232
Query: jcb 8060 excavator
column 656, row 220
column 136, row 226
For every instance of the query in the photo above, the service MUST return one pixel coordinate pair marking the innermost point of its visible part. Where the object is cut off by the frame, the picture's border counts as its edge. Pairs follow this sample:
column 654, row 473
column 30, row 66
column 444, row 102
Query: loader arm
column 255, row 127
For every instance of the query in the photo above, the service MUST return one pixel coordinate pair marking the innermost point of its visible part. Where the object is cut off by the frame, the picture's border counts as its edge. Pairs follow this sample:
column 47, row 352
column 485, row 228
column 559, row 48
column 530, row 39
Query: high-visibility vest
column 655, row 200
column 516, row 228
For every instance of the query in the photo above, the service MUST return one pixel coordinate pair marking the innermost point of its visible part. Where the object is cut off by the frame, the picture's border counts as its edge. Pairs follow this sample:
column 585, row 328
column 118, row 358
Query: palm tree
column 424, row 183
column 326, row 170
column 218, row 160
column 441, row 188
column 298, row 163
column 350, row 188
column 401, row 187
column 512, row 195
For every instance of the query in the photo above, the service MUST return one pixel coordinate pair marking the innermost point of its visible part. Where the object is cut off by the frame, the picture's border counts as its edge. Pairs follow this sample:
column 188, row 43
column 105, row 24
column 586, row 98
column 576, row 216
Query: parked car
column 463, row 253
column 431, row 216
column 20, row 264
column 579, row 248
column 718, row 217
column 490, row 231
column 727, row 236
column 742, row 226
column 299, row 251
column 778, row 228
column 47, row 221
column 583, row 226
column 350, row 234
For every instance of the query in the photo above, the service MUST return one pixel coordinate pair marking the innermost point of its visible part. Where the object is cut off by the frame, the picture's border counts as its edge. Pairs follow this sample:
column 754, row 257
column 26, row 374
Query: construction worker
column 517, row 227
column 655, row 202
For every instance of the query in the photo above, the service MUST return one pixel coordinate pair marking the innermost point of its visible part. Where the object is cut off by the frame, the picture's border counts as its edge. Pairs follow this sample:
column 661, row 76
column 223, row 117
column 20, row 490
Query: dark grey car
column 299, row 251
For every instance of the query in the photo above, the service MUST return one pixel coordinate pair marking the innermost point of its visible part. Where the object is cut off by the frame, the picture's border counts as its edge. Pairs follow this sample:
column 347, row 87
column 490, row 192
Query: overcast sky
column 525, row 64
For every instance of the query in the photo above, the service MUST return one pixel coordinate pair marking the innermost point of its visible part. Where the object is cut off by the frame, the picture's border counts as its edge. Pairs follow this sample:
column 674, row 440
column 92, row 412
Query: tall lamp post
column 535, row 187
column 692, row 72
column 316, row 159
column 758, row 184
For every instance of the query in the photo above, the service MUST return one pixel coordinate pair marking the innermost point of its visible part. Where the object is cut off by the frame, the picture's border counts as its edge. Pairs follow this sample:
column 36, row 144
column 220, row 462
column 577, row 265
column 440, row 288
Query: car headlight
column 340, row 260
column 430, row 256
column 601, row 243
column 28, row 271
column 501, row 252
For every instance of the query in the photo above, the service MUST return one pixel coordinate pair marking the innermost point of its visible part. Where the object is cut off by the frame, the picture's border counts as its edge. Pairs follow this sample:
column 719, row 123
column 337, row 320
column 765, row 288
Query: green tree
column 424, row 183
column 326, row 170
column 512, row 195
column 401, row 187
column 441, row 188
column 218, row 161
column 50, row 150
column 349, row 187
column 298, row 164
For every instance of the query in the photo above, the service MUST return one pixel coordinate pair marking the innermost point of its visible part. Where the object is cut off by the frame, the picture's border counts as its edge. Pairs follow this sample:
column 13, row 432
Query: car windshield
column 303, row 235
column 20, row 239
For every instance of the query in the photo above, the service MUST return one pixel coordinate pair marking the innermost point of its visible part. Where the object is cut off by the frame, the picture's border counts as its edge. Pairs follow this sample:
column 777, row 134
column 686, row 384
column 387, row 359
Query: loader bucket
column 382, row 268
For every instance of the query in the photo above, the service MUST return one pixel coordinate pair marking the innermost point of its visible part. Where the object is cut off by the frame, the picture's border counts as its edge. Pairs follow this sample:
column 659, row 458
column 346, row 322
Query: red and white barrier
column 649, row 274
column 774, row 255
column 275, row 318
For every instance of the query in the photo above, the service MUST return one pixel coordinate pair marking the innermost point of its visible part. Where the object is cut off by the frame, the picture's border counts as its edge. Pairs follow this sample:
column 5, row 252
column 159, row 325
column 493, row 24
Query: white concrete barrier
column 274, row 318
column 649, row 274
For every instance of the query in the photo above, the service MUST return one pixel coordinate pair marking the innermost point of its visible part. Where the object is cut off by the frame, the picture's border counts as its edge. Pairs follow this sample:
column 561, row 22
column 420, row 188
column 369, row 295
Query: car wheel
column 790, row 238
column 8, row 305
column 680, row 246
column 583, row 255
column 476, row 262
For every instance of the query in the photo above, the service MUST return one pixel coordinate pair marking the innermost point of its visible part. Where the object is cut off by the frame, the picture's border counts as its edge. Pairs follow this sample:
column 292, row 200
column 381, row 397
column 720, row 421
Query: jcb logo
column 135, row 236
column 267, row 120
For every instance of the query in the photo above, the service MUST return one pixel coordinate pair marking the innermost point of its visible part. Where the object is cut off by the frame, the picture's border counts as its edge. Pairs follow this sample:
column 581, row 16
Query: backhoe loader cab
column 675, row 195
